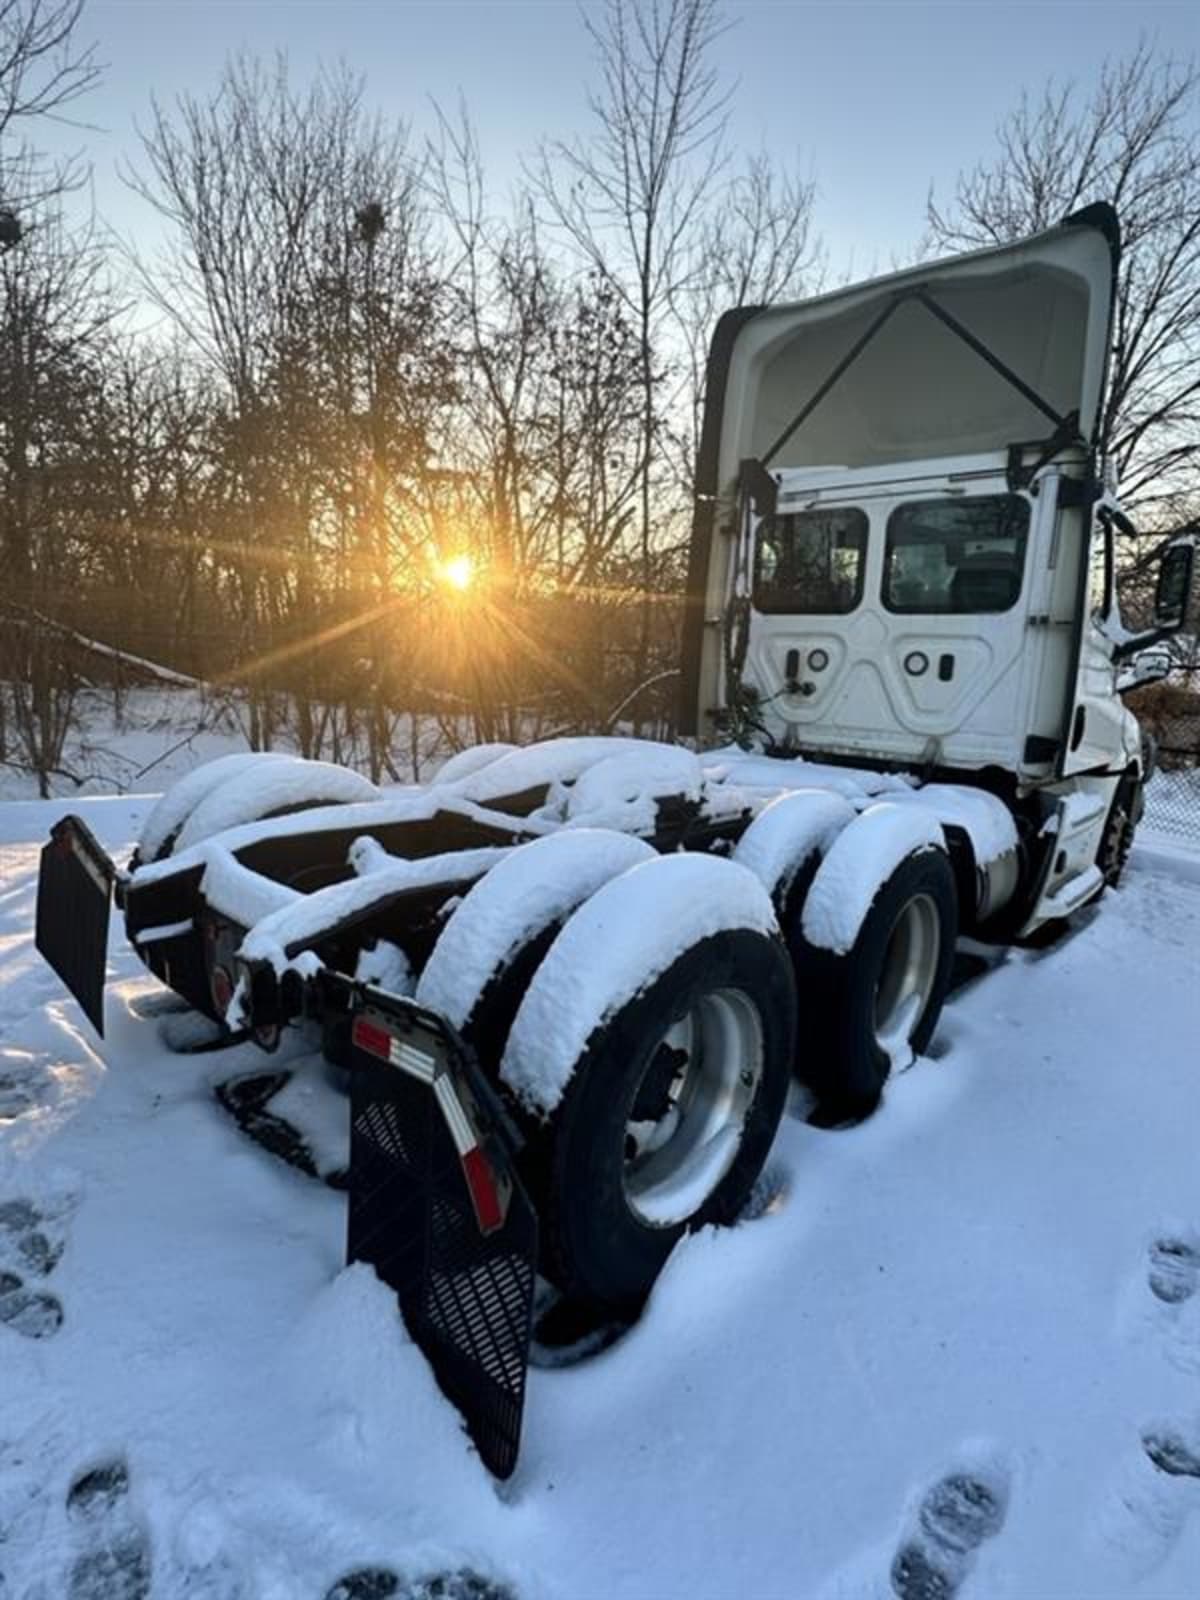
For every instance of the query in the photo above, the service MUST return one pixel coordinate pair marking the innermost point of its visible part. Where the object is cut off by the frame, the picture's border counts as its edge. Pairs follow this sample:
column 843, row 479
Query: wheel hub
column 906, row 978
column 689, row 1110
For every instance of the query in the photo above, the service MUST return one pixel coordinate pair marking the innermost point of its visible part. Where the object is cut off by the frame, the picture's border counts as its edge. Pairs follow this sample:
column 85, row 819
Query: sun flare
column 458, row 571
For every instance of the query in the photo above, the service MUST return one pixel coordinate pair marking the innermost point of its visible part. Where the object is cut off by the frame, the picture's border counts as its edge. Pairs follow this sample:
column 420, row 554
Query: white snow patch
column 311, row 915
column 235, row 891
column 611, row 949
column 368, row 855
column 995, row 1216
column 317, row 1110
column 788, row 831
column 554, row 761
column 539, row 883
column 467, row 762
column 402, row 804
column 272, row 786
column 746, row 771
column 622, row 791
column 385, row 966
column 859, row 863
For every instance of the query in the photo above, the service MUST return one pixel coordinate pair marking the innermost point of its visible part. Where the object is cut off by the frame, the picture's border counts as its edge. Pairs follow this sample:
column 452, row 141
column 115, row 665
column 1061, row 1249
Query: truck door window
column 956, row 556
column 811, row 561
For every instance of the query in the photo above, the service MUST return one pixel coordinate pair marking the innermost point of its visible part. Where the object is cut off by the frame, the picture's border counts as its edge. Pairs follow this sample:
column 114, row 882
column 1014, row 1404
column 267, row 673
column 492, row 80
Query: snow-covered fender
column 273, row 789
column 172, row 808
column 491, row 942
column 860, row 861
column 790, row 834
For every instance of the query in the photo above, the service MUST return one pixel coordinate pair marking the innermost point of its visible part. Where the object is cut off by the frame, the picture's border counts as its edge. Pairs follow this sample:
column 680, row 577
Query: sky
column 875, row 99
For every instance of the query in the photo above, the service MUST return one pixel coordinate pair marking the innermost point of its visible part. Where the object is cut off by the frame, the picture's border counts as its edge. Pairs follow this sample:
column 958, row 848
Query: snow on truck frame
column 571, row 984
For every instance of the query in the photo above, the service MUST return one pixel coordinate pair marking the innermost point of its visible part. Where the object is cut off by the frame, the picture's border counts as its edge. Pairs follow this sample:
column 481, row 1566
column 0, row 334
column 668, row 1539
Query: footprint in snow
column 1174, row 1269
column 952, row 1519
column 24, row 1084
column 1170, row 1453
column 380, row 1583
column 1173, row 1278
column 112, row 1559
column 31, row 1243
column 1154, row 1493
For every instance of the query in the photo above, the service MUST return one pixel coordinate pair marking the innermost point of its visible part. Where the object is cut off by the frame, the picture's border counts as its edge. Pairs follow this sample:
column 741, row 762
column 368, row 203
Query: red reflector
column 368, row 1036
column 221, row 988
column 485, row 1197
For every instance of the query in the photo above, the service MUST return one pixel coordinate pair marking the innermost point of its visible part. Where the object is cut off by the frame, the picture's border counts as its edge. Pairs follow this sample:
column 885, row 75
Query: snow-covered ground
column 164, row 732
column 975, row 1319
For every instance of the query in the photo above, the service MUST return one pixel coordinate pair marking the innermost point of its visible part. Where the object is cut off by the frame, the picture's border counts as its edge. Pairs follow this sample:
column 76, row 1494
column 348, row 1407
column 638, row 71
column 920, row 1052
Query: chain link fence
column 1169, row 712
column 1173, row 794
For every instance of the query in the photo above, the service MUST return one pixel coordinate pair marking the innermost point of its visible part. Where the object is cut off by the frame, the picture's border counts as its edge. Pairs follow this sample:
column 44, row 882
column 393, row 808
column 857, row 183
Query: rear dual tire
column 661, row 1117
column 872, row 1009
column 667, row 1119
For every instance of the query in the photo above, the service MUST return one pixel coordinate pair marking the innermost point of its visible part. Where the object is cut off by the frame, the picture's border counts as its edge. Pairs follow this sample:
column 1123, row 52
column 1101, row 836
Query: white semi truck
column 570, row 985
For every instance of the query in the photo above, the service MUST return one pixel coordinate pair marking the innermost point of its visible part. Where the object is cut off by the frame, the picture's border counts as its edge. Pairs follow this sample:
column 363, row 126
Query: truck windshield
column 956, row 556
column 811, row 561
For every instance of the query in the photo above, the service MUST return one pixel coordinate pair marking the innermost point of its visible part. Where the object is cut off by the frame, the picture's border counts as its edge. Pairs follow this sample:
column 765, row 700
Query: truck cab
column 902, row 551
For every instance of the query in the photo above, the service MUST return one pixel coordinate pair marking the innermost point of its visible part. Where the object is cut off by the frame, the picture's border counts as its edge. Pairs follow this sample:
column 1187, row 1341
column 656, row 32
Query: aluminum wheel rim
column 674, row 1161
column 910, row 963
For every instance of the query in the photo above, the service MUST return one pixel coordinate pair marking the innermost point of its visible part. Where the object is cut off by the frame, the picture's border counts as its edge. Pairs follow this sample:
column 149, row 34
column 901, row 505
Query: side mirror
column 1172, row 597
column 1174, row 589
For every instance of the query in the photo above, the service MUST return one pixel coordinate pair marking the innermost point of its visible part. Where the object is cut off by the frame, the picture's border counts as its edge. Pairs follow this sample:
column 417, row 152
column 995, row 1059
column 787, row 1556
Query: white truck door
column 922, row 650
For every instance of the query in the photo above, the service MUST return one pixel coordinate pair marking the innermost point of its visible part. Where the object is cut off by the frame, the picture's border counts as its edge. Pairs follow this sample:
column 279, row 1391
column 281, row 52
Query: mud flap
column 436, row 1207
column 74, row 895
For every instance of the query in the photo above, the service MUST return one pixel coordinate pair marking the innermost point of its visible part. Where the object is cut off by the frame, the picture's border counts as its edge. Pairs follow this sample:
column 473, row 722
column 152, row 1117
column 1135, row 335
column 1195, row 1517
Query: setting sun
column 458, row 572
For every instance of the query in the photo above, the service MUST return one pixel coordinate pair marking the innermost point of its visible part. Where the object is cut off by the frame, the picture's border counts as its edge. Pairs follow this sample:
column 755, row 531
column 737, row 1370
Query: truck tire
column 493, row 942
column 1119, row 828
column 870, row 1009
column 667, row 1119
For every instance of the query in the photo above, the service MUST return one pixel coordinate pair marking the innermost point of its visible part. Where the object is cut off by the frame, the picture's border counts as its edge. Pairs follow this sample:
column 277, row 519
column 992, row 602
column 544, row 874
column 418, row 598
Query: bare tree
column 756, row 245
column 55, row 313
column 1133, row 140
column 300, row 274
column 630, row 196
column 42, row 70
column 546, row 439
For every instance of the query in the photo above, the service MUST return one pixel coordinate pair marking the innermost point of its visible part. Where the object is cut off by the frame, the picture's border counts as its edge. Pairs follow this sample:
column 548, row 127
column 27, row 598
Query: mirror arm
column 1118, row 519
column 1104, row 517
column 1142, row 641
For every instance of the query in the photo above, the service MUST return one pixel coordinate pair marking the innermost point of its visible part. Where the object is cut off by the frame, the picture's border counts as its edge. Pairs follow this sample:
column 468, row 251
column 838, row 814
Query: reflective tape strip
column 461, row 1130
column 413, row 1061
column 168, row 930
column 381, row 1042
